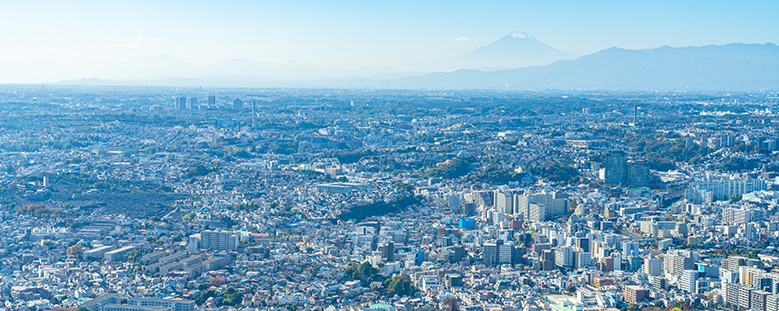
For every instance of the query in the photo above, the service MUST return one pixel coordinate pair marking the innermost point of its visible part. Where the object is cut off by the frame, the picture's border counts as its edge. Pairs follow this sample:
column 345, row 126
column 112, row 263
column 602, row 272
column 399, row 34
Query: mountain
column 734, row 66
column 515, row 50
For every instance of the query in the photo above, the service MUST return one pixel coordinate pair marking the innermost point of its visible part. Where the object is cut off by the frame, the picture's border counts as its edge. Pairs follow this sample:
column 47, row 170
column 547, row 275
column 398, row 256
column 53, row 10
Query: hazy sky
column 350, row 34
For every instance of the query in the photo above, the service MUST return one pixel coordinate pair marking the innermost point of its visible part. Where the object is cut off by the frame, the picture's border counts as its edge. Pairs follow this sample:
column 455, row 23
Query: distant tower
column 191, row 103
column 635, row 113
column 237, row 104
column 181, row 103
column 254, row 113
column 211, row 101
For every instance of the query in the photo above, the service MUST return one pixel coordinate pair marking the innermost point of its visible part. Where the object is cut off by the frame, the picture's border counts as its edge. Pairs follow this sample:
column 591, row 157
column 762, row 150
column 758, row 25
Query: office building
column 616, row 168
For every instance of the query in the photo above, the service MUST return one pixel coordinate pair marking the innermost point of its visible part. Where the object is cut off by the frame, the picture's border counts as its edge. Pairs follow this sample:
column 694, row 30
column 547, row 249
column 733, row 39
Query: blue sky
column 351, row 34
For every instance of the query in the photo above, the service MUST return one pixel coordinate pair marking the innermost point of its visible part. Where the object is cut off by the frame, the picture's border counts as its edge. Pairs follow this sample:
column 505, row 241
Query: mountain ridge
column 735, row 66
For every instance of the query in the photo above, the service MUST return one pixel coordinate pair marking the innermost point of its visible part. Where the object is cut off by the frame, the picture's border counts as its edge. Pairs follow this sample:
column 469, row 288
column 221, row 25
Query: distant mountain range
column 512, row 51
column 533, row 65
column 727, row 67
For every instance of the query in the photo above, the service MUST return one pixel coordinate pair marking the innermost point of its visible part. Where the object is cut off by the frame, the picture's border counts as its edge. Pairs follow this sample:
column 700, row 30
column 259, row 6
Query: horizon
column 52, row 41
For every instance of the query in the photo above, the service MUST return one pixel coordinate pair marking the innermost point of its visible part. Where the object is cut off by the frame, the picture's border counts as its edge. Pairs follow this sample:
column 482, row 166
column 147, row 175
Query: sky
column 361, row 34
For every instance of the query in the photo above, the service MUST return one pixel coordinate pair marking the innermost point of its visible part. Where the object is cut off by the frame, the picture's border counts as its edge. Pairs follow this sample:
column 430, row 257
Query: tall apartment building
column 539, row 207
column 722, row 189
column 564, row 257
column 181, row 103
column 214, row 240
column 192, row 103
column 500, row 253
column 688, row 281
column 678, row 261
column 504, row 202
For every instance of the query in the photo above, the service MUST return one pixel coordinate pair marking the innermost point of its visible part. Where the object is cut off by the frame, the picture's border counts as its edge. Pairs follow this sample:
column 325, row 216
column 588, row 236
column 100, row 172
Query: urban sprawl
column 165, row 199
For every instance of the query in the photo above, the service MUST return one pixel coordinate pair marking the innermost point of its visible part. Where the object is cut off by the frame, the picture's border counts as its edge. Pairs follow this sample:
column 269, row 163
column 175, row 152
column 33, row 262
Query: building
column 583, row 259
column 181, row 103
column 237, row 104
column 174, row 304
column 387, row 251
column 616, row 168
column 28, row 293
column 758, row 299
column 677, row 261
column 747, row 275
column 635, row 294
column 500, row 253
column 735, row 216
column 153, row 257
column 724, row 189
column 564, row 257
column 340, row 187
column 116, row 307
column 638, row 174
column 217, row 240
column 118, row 254
column 484, row 198
column 211, row 101
column 191, row 103
column 504, row 202
column 540, row 207
column 630, row 249
column 653, row 266
column 688, row 281
column 97, row 252
column 99, row 303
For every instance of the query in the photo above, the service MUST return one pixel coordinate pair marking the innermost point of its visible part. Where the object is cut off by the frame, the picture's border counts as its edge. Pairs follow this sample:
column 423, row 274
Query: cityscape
column 397, row 155
column 151, row 198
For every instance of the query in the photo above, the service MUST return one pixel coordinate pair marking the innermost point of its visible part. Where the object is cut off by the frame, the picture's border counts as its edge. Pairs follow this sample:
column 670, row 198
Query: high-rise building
column 548, row 205
column 489, row 253
column 758, row 300
column 504, row 202
column 747, row 275
column 688, row 281
column 583, row 244
column 237, row 104
column 387, row 251
column 678, row 261
column 454, row 202
column 653, row 266
column 634, row 263
column 500, row 253
column 484, row 198
column 211, row 101
column 638, row 174
column 192, row 103
column 583, row 259
column 564, row 257
column 772, row 303
column 749, row 231
column 630, row 249
column 181, row 103
column 616, row 167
